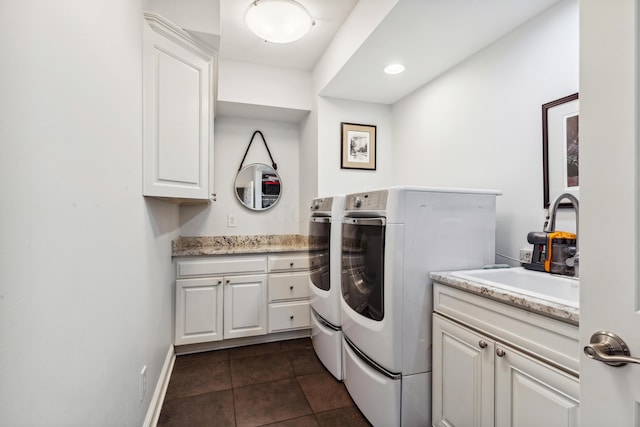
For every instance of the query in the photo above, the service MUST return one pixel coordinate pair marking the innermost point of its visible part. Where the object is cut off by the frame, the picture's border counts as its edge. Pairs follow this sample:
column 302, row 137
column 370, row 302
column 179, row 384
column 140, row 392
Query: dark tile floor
column 275, row 384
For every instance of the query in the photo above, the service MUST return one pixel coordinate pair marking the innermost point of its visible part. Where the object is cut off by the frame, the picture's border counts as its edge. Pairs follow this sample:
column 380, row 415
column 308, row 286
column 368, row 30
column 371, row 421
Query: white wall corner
column 363, row 20
column 202, row 16
column 155, row 406
column 254, row 84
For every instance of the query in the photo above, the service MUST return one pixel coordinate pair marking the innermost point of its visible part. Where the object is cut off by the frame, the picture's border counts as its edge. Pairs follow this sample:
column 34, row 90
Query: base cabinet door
column 530, row 393
column 463, row 383
column 199, row 304
column 479, row 381
column 245, row 306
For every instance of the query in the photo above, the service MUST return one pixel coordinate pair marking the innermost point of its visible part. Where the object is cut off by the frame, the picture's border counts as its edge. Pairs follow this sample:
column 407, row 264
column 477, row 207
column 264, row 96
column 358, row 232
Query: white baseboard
column 155, row 406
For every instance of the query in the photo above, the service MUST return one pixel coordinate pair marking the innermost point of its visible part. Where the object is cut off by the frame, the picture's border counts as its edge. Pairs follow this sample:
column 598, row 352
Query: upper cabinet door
column 179, row 76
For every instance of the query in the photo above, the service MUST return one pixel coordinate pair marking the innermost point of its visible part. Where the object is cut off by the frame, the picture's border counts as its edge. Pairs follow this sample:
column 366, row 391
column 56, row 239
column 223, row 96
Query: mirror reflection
column 257, row 186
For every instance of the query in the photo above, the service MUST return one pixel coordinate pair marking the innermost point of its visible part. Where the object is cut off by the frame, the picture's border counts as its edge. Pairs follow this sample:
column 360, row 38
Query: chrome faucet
column 550, row 226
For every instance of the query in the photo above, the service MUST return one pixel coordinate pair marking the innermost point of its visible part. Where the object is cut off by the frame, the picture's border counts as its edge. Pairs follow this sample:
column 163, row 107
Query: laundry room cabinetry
column 220, row 298
column 493, row 366
column 289, row 307
column 179, row 75
column 238, row 296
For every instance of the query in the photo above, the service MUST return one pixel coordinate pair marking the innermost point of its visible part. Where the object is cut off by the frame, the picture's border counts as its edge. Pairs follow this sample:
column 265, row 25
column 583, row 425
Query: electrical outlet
column 143, row 382
column 525, row 255
column 231, row 220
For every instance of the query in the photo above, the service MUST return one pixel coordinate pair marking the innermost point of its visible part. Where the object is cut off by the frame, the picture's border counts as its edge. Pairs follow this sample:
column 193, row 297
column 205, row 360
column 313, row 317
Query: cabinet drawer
column 288, row 286
column 288, row 262
column 221, row 266
column 289, row 315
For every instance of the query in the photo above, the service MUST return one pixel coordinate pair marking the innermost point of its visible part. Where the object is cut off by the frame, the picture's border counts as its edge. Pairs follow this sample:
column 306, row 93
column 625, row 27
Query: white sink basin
column 560, row 289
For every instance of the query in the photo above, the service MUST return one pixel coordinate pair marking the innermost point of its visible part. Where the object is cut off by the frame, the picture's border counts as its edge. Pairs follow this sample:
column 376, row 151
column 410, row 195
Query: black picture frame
column 558, row 140
column 358, row 146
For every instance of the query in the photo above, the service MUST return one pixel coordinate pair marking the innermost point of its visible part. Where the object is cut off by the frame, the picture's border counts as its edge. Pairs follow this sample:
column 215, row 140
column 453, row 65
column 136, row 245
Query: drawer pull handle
column 291, row 287
column 290, row 264
column 482, row 344
column 291, row 317
column 500, row 352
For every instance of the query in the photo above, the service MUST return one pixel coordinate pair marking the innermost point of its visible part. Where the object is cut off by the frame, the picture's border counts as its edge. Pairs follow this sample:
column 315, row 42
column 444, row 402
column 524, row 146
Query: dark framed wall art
column 358, row 148
column 560, row 143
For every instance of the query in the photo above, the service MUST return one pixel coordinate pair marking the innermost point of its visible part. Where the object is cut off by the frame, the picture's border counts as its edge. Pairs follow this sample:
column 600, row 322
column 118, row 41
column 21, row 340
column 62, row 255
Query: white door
column 463, row 376
column 198, row 310
column 245, row 306
column 609, row 195
column 530, row 393
column 178, row 114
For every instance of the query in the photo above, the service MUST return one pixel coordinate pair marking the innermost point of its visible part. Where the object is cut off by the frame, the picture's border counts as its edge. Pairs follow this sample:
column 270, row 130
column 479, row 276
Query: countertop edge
column 236, row 245
column 260, row 249
column 550, row 309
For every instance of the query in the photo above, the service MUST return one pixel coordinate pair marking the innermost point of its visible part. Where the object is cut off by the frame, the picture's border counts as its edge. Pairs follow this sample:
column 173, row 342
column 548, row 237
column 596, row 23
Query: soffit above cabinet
column 429, row 38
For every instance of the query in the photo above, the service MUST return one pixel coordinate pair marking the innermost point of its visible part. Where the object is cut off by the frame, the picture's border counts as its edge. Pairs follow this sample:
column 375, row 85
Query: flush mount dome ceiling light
column 278, row 21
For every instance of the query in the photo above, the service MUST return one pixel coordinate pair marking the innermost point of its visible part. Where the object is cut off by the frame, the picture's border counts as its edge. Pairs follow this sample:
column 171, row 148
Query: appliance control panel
column 322, row 204
column 372, row 201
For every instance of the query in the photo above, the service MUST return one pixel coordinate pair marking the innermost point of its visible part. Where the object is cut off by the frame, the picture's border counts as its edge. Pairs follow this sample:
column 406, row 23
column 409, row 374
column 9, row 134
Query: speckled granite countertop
column 225, row 245
column 554, row 310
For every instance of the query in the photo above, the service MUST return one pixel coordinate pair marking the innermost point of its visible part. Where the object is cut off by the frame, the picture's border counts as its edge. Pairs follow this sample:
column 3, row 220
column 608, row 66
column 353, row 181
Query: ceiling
column 238, row 43
column 428, row 36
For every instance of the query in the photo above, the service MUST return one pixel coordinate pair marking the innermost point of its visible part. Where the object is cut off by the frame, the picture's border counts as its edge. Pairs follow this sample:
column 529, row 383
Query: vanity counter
column 226, row 245
column 554, row 310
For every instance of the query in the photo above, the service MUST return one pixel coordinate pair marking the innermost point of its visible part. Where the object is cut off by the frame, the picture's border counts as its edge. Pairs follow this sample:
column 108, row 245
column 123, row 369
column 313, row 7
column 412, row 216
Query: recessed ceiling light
column 394, row 68
column 278, row 21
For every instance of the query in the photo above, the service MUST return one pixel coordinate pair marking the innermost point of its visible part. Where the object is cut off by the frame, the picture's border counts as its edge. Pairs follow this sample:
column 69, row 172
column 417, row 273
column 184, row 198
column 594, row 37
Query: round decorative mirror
column 257, row 186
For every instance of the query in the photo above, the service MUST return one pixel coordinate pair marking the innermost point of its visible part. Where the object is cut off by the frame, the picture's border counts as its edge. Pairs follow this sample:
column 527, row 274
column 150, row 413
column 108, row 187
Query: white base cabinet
column 463, row 375
column 473, row 374
column 199, row 308
column 496, row 365
column 530, row 393
column 289, row 306
column 245, row 306
column 220, row 298
column 238, row 296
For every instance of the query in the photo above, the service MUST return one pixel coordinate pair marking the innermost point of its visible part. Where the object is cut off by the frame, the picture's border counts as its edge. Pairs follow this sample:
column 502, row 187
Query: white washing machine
column 391, row 240
column 325, row 240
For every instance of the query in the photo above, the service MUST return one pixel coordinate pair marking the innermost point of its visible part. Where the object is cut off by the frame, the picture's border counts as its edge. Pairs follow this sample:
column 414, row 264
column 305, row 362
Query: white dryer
column 391, row 240
column 325, row 239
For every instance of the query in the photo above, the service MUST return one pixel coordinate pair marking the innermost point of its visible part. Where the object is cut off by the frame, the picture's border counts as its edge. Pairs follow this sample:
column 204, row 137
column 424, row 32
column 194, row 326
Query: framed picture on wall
column 560, row 143
column 358, row 146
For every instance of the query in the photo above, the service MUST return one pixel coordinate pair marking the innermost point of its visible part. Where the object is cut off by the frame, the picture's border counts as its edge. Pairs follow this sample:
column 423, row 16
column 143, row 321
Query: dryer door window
column 363, row 266
column 319, row 251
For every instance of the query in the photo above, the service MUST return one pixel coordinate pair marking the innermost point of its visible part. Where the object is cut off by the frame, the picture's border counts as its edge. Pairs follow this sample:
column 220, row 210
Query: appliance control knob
column 358, row 202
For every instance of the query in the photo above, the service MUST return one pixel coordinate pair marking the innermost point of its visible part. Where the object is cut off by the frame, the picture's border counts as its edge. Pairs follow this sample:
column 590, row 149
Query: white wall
column 202, row 16
column 232, row 136
column 86, row 276
column 255, row 84
column 479, row 124
column 331, row 178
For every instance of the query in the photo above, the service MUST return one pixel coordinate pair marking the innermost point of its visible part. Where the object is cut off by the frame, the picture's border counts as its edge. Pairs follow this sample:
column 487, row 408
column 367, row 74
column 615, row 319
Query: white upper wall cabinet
column 179, row 81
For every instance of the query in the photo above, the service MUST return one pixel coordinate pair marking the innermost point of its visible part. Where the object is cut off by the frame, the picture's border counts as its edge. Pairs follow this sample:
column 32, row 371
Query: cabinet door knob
column 219, row 282
column 228, row 281
column 290, row 264
column 482, row 344
column 500, row 352
column 291, row 287
column 291, row 317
